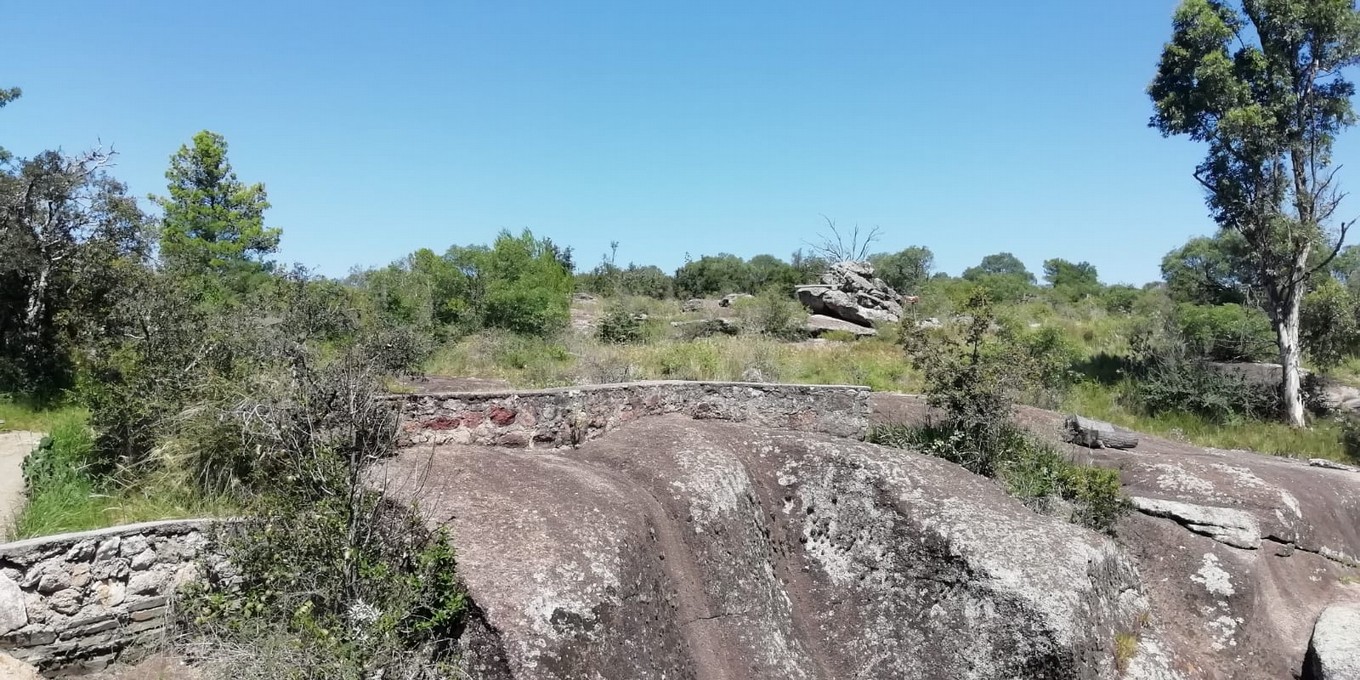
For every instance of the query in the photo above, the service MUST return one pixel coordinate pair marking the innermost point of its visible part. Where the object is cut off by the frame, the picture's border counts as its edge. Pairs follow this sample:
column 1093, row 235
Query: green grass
column 63, row 497
column 21, row 413
column 578, row 359
column 1322, row 439
column 81, row 507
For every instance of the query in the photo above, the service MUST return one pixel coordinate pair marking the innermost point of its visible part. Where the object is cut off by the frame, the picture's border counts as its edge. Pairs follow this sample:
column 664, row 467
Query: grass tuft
column 63, row 497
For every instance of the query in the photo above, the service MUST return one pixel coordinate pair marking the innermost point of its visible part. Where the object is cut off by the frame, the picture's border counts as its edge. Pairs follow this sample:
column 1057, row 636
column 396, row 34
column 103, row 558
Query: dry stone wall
column 74, row 602
column 569, row 416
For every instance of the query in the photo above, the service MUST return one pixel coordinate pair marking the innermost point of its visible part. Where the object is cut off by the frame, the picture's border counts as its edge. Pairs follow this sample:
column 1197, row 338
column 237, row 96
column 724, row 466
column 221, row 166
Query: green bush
column 521, row 283
column 1120, row 299
column 1177, row 385
column 973, row 376
column 1350, row 438
column 772, row 313
column 1030, row 470
column 1228, row 332
column 620, row 325
column 62, row 459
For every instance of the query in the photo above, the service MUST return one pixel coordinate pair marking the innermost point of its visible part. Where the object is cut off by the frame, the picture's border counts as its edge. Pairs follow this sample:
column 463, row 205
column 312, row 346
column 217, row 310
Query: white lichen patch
column 1242, row 477
column 1224, row 630
column 1291, row 502
column 714, row 483
column 1176, row 478
column 1214, row 579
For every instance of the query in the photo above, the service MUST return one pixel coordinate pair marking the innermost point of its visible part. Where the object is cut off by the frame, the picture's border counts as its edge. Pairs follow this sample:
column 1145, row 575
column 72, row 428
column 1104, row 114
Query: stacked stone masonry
column 73, row 603
column 568, row 416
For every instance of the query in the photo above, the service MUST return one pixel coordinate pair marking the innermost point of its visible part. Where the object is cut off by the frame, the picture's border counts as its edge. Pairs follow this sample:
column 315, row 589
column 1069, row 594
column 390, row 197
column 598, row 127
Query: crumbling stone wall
column 74, row 602
column 569, row 416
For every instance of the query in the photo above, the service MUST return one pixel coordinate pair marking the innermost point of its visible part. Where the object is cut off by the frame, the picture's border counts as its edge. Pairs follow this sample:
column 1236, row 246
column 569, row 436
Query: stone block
column 132, row 545
column 108, row 549
column 148, row 614
column 65, row 602
column 146, row 603
column 13, row 610
column 110, row 593
column 143, row 560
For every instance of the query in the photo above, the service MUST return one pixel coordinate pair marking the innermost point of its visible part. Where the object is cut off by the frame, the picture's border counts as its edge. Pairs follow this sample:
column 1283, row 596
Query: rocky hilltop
column 677, row 548
column 682, row 546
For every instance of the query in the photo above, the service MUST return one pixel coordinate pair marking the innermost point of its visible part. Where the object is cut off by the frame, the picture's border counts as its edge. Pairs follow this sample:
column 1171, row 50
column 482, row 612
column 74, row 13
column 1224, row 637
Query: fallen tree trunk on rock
column 1096, row 434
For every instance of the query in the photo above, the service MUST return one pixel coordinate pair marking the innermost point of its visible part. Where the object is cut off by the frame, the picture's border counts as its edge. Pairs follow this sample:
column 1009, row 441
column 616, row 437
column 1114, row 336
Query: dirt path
column 14, row 447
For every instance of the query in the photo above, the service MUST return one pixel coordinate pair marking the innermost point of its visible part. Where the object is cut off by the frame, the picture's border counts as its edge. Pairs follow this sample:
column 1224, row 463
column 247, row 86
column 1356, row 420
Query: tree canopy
column 1262, row 85
column 212, row 221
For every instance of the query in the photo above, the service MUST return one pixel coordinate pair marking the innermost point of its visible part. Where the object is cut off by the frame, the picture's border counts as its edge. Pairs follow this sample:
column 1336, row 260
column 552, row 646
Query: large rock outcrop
column 1240, row 552
column 849, row 291
column 683, row 548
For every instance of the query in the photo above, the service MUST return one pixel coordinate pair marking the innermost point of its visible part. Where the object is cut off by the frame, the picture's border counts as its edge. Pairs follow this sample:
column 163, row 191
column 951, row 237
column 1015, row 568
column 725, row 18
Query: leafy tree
column 999, row 264
column 711, row 274
column 1263, row 87
column 1209, row 270
column 7, row 96
column 213, row 224
column 1073, row 280
column 1002, row 276
column 809, row 267
column 1225, row 332
column 1120, row 299
column 767, row 271
column 906, row 269
column 648, row 281
column 521, row 283
column 1329, row 323
column 1346, row 268
column 69, row 238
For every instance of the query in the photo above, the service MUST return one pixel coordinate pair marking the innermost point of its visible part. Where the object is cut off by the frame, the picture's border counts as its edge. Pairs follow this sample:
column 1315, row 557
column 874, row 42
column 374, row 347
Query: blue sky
column 674, row 128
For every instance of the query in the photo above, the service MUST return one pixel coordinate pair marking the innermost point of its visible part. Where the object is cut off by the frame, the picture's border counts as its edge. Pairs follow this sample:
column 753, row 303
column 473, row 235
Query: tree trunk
column 37, row 296
column 1287, row 336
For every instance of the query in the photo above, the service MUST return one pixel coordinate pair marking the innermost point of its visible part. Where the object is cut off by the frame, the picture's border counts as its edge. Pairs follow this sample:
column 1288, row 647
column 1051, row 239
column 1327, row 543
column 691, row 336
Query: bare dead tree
column 849, row 247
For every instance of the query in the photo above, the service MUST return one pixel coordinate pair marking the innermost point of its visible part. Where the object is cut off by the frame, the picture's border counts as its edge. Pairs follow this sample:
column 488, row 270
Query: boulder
column 849, row 291
column 13, row 611
column 1239, row 552
column 692, row 305
column 1338, row 398
column 682, row 548
column 14, row 669
column 819, row 324
column 1334, row 652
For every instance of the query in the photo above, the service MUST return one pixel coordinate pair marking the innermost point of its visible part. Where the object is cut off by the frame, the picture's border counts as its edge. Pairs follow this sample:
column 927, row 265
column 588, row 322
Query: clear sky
column 673, row 127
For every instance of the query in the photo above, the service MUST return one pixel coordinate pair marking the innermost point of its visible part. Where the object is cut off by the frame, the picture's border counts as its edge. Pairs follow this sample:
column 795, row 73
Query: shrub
column 1031, row 470
column 325, row 559
column 973, row 378
column 1350, row 438
column 1172, row 384
column 620, row 325
column 62, row 458
column 1227, row 332
column 772, row 313
column 1050, row 358
column 1095, row 493
column 1120, row 299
